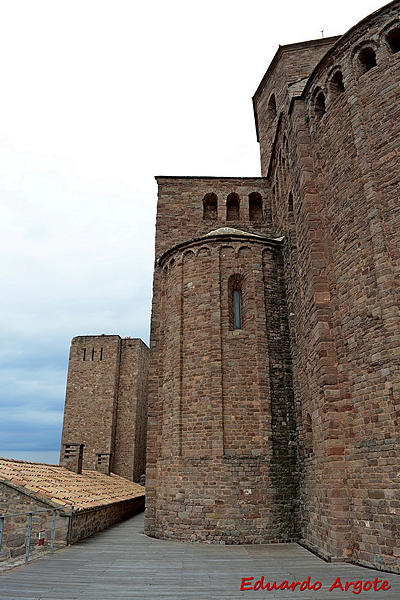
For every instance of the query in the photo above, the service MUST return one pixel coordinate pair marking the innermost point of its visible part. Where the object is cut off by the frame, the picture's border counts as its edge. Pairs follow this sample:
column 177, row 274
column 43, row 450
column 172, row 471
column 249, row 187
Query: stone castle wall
column 12, row 502
column 221, row 399
column 106, row 402
column 334, row 182
column 287, row 427
column 327, row 120
column 84, row 524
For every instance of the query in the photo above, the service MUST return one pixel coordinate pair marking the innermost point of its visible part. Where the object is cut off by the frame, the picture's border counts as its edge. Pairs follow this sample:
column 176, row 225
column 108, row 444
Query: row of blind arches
column 255, row 207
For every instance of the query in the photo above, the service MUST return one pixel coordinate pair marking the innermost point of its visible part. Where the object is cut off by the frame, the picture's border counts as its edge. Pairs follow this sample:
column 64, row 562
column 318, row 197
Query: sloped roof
column 57, row 486
column 231, row 231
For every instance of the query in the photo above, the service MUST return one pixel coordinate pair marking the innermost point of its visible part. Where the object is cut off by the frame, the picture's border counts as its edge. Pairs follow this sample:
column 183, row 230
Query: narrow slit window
column 92, row 353
column 101, row 353
column 84, row 354
column 309, row 435
column 235, row 295
column 237, row 309
column 290, row 203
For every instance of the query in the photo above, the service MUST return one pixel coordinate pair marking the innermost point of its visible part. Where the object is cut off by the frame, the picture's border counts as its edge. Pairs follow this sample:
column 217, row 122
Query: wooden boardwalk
column 122, row 563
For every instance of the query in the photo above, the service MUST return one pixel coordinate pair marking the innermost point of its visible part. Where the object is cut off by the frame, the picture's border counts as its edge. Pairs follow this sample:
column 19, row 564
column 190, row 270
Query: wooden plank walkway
column 122, row 563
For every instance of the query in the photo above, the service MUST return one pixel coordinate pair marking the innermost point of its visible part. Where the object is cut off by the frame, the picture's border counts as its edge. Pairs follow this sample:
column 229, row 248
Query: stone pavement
column 122, row 563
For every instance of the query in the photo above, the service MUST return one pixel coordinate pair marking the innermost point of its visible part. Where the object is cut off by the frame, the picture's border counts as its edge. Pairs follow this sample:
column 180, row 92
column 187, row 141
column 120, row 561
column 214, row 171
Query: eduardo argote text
column 356, row 587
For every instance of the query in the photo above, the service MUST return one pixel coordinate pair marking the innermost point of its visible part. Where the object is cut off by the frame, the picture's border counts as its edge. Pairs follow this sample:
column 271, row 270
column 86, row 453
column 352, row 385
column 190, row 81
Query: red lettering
column 284, row 585
column 375, row 583
column 317, row 583
column 244, row 580
column 369, row 584
column 269, row 587
column 357, row 587
column 293, row 585
column 305, row 585
column 336, row 584
column 259, row 584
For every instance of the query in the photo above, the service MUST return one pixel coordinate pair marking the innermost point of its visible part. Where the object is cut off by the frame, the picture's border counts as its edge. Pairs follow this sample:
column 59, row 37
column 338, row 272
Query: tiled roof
column 60, row 487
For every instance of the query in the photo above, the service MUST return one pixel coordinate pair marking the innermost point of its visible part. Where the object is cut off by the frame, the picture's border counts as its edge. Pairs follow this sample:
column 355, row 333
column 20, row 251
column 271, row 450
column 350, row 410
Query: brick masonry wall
column 89, row 522
column 85, row 522
column 334, row 183
column 130, row 435
column 180, row 207
column 90, row 404
column 106, row 401
column 290, row 68
column 15, row 528
column 359, row 201
column 212, row 470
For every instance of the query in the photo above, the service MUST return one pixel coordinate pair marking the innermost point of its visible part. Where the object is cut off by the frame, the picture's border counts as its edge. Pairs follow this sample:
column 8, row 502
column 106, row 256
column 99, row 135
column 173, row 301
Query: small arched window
column 366, row 60
column 271, row 108
column 235, row 295
column 336, row 86
column 319, row 105
column 210, row 207
column 232, row 207
column 393, row 40
column 255, row 207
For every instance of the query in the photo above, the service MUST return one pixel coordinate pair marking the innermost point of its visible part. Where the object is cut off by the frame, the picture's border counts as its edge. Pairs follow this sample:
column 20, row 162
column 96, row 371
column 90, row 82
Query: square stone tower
column 106, row 403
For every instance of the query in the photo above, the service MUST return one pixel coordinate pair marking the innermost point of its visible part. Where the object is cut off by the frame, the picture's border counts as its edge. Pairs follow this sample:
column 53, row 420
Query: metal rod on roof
column 28, row 538
column 53, row 526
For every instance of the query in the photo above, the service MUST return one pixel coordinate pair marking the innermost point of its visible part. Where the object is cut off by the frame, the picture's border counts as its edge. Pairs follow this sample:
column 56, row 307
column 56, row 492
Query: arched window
column 210, row 207
column 271, row 108
column 366, row 60
column 232, row 207
column 393, row 39
column 336, row 86
column 235, row 295
column 319, row 105
column 255, row 207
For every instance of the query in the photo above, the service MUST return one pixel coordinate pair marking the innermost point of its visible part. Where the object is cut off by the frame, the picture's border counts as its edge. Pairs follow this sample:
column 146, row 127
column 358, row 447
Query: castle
column 273, row 392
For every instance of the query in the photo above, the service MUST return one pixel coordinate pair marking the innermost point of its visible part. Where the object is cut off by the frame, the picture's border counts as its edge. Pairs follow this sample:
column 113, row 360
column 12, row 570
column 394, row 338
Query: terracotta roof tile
column 62, row 486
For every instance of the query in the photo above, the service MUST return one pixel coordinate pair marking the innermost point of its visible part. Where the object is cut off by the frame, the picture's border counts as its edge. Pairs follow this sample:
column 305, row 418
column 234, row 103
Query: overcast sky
column 97, row 97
